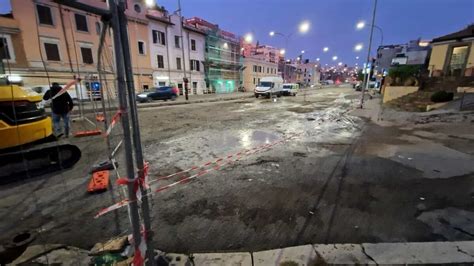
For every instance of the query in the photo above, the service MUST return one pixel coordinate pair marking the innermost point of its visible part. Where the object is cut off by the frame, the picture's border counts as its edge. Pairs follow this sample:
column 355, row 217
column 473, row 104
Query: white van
column 269, row 86
column 290, row 89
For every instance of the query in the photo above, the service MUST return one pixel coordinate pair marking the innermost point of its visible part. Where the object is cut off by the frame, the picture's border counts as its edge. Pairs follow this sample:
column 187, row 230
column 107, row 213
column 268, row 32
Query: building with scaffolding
column 223, row 66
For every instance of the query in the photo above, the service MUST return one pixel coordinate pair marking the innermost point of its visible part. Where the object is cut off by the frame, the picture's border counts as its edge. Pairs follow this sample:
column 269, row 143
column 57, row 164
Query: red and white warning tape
column 204, row 169
column 114, row 121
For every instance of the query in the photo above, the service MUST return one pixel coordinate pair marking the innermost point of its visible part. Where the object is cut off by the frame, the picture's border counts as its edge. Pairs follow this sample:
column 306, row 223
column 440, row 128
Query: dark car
column 161, row 93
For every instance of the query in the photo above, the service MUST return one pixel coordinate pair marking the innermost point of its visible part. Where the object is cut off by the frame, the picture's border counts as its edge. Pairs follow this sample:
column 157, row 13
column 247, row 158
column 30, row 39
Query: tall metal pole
column 182, row 51
column 365, row 85
column 122, row 95
column 137, row 143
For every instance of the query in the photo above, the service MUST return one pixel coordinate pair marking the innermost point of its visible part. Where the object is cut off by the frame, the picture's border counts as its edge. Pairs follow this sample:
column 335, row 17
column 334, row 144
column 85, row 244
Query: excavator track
column 38, row 160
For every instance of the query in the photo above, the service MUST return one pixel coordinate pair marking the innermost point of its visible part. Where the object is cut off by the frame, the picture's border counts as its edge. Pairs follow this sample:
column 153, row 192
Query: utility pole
column 185, row 79
column 365, row 84
column 136, row 130
column 122, row 95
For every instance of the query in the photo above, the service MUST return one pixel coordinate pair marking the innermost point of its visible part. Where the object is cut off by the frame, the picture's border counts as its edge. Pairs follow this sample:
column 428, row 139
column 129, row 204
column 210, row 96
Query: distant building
column 255, row 68
column 223, row 65
column 167, row 58
column 308, row 73
column 414, row 52
column 453, row 54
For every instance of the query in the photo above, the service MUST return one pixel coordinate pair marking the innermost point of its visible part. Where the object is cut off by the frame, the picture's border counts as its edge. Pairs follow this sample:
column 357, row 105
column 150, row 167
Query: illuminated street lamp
column 248, row 38
column 325, row 49
column 334, row 58
column 150, row 3
column 302, row 51
column 282, row 51
column 358, row 47
column 272, row 33
column 357, row 57
column 339, row 64
column 317, row 59
column 298, row 58
column 304, row 26
column 360, row 25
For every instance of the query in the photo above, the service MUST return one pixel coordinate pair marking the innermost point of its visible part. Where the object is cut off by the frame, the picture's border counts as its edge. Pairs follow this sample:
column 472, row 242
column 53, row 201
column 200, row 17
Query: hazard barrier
column 114, row 121
column 99, row 181
column 86, row 133
column 203, row 169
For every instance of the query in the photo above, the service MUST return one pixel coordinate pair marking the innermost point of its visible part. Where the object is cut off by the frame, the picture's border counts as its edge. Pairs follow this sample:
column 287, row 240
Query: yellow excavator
column 28, row 146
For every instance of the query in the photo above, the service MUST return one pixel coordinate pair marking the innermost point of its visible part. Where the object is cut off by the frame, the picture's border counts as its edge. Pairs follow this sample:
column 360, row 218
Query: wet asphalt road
column 329, row 183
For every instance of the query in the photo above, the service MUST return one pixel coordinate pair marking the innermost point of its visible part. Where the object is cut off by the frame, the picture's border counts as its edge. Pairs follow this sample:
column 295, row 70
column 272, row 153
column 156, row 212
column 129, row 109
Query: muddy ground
column 337, row 178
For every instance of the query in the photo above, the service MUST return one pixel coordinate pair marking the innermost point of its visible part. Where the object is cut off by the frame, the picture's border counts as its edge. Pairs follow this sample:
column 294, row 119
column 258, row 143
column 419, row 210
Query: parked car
column 327, row 82
column 161, row 93
column 373, row 84
column 290, row 89
column 269, row 86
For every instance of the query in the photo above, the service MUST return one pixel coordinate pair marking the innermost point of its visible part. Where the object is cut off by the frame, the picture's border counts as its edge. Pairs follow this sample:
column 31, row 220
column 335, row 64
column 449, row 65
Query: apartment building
column 61, row 42
column 223, row 66
column 11, row 48
column 173, row 58
column 255, row 68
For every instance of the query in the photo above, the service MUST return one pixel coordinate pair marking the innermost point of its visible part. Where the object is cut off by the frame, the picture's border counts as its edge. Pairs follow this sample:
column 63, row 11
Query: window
column 159, row 37
column 81, row 22
column 176, row 41
column 45, row 16
column 6, row 48
column 141, row 47
column 52, row 51
column 161, row 83
column 260, row 69
column 193, row 45
column 160, row 60
column 254, row 69
column 87, row 55
column 195, row 86
column 137, row 8
column 254, row 81
column 195, row 65
column 268, row 70
column 178, row 63
column 97, row 27
column 458, row 60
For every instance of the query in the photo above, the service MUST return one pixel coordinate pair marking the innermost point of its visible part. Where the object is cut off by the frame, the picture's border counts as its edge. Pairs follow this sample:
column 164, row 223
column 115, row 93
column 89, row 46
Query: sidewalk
column 202, row 98
column 460, row 252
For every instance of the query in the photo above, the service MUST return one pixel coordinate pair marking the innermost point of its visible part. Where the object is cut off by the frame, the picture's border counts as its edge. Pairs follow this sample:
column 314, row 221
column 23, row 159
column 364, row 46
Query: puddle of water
column 249, row 138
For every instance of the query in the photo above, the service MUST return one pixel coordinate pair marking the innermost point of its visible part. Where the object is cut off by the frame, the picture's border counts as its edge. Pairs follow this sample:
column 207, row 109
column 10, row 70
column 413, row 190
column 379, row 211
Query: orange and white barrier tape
column 204, row 169
column 114, row 121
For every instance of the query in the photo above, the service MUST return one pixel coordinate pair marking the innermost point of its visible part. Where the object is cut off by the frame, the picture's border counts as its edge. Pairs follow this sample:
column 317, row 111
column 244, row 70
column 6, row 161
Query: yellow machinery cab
column 21, row 121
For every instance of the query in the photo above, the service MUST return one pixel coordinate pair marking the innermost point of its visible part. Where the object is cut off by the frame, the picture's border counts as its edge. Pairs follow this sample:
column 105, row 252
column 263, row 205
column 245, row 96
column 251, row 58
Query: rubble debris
column 115, row 245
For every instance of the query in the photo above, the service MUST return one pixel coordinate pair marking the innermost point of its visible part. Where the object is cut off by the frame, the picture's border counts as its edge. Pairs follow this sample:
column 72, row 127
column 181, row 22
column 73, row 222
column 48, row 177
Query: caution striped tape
column 204, row 169
column 114, row 121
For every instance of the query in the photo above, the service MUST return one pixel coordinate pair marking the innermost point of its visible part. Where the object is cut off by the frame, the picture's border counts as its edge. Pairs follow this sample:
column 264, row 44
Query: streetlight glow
column 248, row 38
column 325, row 49
column 357, row 57
column 298, row 58
column 282, row 51
column 304, row 26
column 272, row 33
column 302, row 51
column 358, row 47
column 339, row 64
column 334, row 58
column 360, row 25
column 150, row 3
column 317, row 59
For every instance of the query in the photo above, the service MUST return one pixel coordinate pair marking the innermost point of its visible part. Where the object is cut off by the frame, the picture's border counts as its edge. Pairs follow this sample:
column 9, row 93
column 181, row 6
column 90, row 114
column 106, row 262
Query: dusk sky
column 332, row 21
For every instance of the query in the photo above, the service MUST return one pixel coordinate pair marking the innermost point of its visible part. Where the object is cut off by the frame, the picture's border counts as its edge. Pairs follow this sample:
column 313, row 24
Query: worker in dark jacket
column 61, row 106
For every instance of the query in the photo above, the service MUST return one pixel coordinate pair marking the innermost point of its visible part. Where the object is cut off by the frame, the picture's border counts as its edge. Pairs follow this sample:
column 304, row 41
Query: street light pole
column 367, row 76
column 185, row 79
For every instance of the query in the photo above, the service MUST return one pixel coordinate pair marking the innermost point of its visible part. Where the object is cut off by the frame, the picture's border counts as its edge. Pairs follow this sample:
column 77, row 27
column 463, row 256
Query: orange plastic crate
column 99, row 181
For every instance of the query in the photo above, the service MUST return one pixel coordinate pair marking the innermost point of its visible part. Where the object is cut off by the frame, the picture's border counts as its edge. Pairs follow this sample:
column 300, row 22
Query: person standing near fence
column 61, row 106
